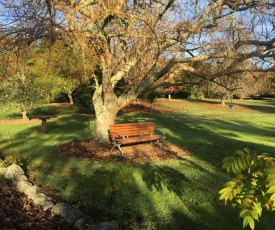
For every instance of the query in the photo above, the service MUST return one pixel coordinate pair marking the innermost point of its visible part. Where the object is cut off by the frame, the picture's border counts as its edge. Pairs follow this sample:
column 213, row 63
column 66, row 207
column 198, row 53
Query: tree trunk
column 106, row 108
column 223, row 100
column 24, row 115
column 70, row 96
column 105, row 115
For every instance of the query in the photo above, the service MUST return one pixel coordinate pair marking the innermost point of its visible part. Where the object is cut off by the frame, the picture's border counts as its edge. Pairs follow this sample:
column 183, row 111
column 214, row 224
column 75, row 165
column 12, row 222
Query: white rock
column 12, row 171
column 3, row 171
column 47, row 205
column 38, row 199
column 22, row 186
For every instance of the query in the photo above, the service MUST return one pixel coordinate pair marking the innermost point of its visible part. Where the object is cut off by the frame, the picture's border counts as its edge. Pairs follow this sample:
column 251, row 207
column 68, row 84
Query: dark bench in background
column 44, row 119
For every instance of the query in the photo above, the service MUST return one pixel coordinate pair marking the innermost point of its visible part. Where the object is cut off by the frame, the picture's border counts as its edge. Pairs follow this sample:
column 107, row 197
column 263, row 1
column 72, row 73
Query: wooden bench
column 132, row 133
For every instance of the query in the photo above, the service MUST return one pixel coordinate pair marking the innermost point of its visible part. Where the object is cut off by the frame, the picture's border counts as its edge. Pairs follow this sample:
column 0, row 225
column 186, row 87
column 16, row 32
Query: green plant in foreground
column 252, row 186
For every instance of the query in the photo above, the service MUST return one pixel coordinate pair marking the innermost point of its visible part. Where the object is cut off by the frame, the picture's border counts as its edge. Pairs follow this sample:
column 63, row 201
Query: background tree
column 22, row 93
column 70, row 64
column 60, row 67
column 140, row 42
column 171, row 89
column 240, row 85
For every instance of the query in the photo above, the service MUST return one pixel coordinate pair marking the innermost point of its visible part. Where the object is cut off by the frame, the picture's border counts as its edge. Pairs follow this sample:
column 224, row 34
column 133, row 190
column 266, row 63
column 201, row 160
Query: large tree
column 136, row 43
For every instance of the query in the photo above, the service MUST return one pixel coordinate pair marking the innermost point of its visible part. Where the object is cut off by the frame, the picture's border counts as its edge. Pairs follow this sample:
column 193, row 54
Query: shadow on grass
column 169, row 195
column 11, row 116
column 156, row 176
column 264, row 106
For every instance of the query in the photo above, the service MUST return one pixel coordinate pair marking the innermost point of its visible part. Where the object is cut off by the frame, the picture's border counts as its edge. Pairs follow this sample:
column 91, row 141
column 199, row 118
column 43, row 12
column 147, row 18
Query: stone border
column 81, row 221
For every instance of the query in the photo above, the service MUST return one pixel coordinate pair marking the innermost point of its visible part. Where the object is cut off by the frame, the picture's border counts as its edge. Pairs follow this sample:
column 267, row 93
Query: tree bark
column 24, row 115
column 105, row 115
column 70, row 96
column 106, row 106
column 223, row 100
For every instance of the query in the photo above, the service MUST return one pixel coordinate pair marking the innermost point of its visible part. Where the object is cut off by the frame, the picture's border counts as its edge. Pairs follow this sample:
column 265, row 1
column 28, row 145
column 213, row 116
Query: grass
column 180, row 194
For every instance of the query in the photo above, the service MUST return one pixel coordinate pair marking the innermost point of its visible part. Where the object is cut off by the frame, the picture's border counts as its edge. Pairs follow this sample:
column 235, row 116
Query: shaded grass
column 10, row 113
column 181, row 194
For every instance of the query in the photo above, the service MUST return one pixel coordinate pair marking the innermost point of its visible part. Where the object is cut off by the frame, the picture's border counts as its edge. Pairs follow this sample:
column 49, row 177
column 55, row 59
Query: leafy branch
column 252, row 186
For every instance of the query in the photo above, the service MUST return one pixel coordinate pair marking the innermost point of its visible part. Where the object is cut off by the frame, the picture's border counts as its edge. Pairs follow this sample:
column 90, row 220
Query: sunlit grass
column 180, row 194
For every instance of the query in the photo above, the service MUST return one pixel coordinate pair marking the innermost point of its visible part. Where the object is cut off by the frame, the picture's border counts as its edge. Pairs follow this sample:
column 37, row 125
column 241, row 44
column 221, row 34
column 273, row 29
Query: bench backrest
column 131, row 129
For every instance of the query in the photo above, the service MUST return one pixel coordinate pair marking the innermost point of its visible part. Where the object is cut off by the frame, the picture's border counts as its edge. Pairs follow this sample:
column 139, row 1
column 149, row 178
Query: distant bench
column 132, row 133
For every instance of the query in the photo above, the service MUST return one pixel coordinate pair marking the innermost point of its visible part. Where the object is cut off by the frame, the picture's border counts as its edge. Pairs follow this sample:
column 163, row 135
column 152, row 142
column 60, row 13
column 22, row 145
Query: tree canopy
column 133, row 44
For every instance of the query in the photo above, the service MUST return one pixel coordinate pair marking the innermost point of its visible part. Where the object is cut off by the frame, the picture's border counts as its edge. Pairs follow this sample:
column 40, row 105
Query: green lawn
column 180, row 194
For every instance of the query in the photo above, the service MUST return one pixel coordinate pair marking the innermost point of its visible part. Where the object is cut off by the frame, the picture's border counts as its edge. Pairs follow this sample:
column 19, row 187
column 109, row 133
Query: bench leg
column 120, row 150
column 157, row 142
column 115, row 145
column 112, row 149
column 43, row 126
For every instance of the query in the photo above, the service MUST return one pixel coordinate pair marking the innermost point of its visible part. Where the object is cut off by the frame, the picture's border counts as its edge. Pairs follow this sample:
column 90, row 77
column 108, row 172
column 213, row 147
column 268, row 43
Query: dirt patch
column 144, row 107
column 61, row 105
column 19, row 122
column 217, row 106
column 140, row 153
column 145, row 152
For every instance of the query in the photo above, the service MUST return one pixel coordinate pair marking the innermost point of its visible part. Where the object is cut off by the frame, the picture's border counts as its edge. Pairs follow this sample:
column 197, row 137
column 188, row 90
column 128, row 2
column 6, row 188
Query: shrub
column 83, row 97
column 252, row 186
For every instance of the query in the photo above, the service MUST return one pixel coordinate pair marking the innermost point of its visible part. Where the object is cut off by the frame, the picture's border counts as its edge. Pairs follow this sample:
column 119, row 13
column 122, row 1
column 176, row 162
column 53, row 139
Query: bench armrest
column 120, row 135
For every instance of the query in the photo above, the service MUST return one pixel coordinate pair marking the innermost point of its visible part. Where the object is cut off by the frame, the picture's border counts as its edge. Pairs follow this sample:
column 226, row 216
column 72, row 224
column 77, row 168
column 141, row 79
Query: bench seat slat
column 134, row 140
